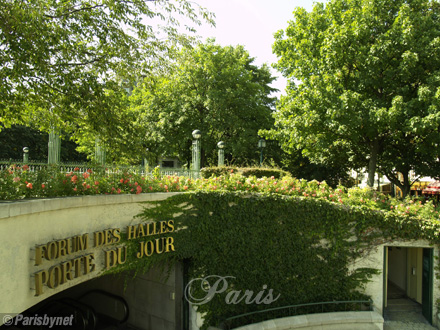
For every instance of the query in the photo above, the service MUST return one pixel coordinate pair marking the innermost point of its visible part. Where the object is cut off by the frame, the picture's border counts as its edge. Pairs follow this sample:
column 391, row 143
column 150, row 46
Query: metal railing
column 294, row 310
column 110, row 169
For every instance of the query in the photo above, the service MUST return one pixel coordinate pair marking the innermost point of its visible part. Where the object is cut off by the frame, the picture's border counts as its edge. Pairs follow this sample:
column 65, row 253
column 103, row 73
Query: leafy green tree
column 215, row 89
column 364, row 86
column 59, row 58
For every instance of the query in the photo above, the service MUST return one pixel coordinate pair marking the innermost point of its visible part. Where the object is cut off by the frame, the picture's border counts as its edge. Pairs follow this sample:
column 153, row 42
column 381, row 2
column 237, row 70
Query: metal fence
column 109, row 169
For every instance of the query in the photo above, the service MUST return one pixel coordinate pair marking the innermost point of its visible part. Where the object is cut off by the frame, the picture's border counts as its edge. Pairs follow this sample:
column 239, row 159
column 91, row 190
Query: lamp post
column 196, row 150
column 261, row 145
column 25, row 155
column 221, row 153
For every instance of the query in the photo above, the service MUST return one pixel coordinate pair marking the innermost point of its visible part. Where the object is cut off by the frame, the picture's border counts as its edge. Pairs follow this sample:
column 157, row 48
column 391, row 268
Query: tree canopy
column 215, row 89
column 60, row 58
column 364, row 86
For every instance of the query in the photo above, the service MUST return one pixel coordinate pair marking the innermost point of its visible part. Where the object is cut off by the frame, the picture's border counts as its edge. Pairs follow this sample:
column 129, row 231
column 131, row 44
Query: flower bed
column 19, row 183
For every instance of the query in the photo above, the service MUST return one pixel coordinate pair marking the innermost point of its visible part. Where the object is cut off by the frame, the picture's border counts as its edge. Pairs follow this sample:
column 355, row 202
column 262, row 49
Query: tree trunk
column 405, row 186
column 372, row 163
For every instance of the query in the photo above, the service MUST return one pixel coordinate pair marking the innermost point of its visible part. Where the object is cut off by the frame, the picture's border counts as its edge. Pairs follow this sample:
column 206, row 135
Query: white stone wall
column 27, row 224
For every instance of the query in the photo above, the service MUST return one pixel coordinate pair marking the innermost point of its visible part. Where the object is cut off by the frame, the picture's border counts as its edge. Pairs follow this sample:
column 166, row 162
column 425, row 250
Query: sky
column 251, row 23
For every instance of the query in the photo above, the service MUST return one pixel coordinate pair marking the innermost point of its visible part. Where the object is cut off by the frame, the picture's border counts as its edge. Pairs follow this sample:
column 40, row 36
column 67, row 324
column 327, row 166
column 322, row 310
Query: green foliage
column 215, row 89
column 13, row 140
column 302, row 248
column 208, row 172
column 260, row 172
column 368, row 91
column 62, row 60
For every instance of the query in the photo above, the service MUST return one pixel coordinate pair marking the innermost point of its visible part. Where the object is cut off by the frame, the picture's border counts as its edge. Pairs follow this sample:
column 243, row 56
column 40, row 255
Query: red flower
column 89, row 170
column 25, row 167
column 96, row 183
column 86, row 175
column 138, row 189
column 76, row 169
column 29, row 185
column 43, row 185
column 74, row 179
column 121, row 181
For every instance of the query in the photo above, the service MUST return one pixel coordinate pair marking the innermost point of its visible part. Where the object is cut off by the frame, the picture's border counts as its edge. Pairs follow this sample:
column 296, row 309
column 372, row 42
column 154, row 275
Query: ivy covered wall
column 301, row 248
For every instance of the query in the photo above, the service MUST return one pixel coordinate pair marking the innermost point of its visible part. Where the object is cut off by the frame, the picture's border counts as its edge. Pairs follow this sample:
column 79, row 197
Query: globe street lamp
column 25, row 155
column 221, row 153
column 196, row 150
column 261, row 145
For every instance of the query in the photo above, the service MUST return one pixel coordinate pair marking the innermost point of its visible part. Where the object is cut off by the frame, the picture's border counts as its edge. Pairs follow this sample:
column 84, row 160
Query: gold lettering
column 54, row 277
column 110, row 255
column 162, row 227
column 170, row 226
column 69, row 245
column 120, row 262
column 158, row 251
column 99, row 238
column 117, row 235
column 89, row 266
column 108, row 236
column 40, row 280
column 151, row 244
column 51, row 251
column 140, row 254
column 66, row 271
column 82, row 242
column 77, row 265
column 62, row 248
column 39, row 254
column 169, row 244
column 141, row 231
column 131, row 232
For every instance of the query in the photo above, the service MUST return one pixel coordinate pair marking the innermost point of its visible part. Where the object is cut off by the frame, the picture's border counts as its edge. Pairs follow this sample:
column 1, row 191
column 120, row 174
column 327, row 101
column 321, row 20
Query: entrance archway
column 408, row 284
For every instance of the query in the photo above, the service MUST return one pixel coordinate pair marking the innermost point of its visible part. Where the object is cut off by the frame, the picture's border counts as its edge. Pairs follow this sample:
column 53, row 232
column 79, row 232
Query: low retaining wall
column 324, row 321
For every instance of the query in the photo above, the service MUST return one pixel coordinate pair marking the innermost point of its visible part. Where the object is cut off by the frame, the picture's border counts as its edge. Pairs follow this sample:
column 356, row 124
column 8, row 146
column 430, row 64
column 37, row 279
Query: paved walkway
column 405, row 314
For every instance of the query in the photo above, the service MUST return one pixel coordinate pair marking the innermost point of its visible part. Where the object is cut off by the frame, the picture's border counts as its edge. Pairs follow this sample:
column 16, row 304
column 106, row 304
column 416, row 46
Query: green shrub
column 259, row 172
column 208, row 172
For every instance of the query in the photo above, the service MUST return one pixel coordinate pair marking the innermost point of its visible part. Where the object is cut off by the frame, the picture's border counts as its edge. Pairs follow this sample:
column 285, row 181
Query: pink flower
column 75, row 189
column 151, row 188
column 96, row 183
column 29, row 185
column 118, row 191
column 88, row 186
column 16, row 179
column 86, row 175
column 138, row 189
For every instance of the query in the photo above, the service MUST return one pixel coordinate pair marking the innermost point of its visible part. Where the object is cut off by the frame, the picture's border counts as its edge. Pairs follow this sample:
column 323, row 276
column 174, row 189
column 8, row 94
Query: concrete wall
column 24, row 225
column 327, row 321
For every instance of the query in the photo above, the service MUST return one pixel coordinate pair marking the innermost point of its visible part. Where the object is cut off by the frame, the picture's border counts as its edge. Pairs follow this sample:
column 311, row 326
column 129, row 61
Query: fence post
column 54, row 147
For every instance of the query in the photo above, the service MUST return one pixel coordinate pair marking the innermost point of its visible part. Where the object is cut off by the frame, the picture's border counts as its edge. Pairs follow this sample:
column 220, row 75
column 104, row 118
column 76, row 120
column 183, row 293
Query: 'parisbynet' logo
column 38, row 320
column 215, row 284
